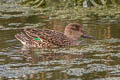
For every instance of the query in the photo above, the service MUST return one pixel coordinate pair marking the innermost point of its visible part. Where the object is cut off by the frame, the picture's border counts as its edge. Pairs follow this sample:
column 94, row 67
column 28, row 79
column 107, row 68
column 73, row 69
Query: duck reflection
column 38, row 55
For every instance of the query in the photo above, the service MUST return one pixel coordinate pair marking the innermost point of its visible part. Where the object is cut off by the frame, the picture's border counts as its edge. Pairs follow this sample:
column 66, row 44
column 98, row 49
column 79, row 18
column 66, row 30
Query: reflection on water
column 92, row 60
column 39, row 55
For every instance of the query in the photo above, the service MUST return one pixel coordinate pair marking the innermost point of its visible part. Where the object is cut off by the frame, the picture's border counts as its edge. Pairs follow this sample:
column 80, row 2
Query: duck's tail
column 22, row 38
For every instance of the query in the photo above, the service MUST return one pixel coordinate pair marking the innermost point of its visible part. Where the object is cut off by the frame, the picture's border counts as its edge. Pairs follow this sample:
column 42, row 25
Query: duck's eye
column 75, row 28
column 37, row 39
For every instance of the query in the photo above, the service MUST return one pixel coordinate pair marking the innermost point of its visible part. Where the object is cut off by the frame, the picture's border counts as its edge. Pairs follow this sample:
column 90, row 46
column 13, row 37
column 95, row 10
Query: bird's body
column 49, row 38
column 43, row 38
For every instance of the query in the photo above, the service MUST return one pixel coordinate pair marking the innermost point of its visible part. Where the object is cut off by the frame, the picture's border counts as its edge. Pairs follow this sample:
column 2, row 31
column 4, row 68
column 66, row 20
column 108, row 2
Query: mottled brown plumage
column 49, row 38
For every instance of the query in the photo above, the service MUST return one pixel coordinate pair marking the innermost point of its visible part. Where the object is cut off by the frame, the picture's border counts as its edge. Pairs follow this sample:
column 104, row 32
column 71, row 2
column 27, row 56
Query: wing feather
column 53, row 37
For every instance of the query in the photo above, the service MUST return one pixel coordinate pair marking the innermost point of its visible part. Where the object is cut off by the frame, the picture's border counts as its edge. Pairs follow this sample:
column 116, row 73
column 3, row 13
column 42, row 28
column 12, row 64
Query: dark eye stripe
column 75, row 28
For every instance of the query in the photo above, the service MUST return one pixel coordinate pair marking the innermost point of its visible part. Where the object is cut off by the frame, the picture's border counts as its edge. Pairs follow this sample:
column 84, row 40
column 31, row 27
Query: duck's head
column 74, row 31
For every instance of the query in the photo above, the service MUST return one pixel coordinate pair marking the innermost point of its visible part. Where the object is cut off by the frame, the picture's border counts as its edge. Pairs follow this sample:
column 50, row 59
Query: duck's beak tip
column 87, row 36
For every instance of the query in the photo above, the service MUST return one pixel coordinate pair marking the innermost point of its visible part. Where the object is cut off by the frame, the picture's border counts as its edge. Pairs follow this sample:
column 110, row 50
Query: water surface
column 93, row 60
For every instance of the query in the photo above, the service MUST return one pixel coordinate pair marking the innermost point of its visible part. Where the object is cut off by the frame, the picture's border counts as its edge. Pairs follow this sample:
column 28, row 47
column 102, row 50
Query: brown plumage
column 49, row 38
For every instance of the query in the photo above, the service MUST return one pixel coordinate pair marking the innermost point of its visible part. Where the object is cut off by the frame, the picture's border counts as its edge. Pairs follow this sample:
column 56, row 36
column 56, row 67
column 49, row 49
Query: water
column 92, row 60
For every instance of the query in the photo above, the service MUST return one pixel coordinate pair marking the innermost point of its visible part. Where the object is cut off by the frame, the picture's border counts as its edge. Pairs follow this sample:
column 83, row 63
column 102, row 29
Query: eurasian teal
column 49, row 38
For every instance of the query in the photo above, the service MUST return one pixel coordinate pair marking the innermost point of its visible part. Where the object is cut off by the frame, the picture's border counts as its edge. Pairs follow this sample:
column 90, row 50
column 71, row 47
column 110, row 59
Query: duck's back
column 43, row 38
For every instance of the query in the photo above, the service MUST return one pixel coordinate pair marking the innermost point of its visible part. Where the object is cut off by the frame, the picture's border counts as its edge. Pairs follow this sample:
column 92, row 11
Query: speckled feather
column 48, row 38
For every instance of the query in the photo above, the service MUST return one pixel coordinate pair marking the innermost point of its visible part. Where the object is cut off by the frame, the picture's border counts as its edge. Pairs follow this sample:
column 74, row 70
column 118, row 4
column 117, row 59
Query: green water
column 92, row 60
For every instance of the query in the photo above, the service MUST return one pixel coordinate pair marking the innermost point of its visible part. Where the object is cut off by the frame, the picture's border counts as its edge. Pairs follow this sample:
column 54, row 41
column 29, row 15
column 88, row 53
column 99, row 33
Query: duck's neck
column 70, row 36
column 74, row 41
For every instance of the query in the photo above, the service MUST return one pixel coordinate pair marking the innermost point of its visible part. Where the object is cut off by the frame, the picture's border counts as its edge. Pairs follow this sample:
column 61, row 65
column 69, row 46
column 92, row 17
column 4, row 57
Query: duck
column 46, row 38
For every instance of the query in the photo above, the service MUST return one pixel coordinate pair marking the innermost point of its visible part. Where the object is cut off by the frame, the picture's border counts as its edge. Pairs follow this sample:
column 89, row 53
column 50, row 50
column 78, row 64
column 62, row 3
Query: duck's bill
column 87, row 36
